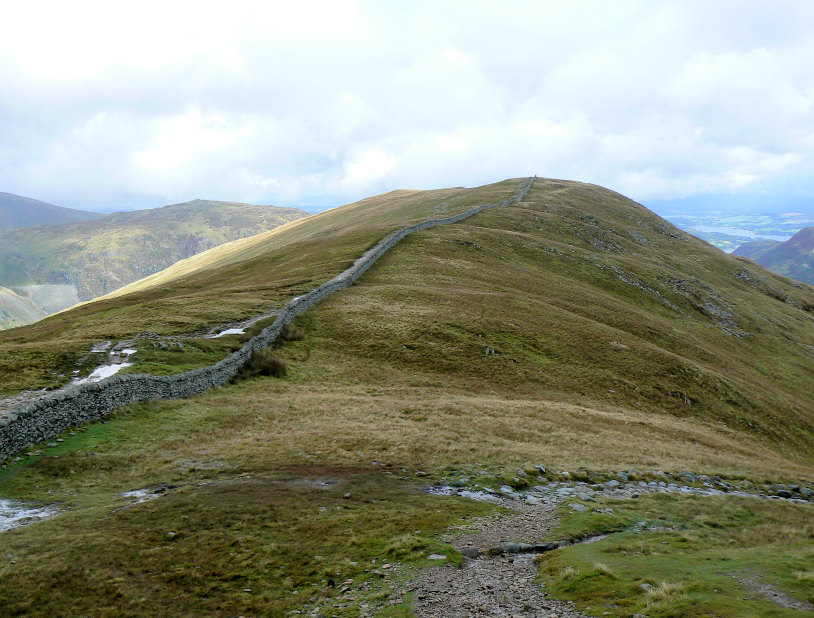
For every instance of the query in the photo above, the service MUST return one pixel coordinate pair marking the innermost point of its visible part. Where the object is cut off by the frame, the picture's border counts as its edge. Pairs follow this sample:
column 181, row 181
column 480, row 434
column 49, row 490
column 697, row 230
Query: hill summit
column 574, row 290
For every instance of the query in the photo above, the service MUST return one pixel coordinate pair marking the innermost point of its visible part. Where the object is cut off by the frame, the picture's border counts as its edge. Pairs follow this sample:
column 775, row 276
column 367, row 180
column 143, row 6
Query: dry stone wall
column 51, row 415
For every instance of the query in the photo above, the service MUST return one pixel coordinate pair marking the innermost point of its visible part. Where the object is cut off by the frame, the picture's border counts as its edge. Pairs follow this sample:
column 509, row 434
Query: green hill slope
column 17, row 211
column 574, row 330
column 92, row 258
column 793, row 258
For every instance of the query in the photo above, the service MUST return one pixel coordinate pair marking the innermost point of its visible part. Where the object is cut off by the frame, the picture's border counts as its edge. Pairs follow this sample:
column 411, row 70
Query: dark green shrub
column 262, row 364
column 267, row 365
column 290, row 332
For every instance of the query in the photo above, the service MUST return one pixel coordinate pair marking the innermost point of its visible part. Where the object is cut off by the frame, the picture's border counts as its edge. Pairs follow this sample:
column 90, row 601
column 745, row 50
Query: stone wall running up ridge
column 51, row 415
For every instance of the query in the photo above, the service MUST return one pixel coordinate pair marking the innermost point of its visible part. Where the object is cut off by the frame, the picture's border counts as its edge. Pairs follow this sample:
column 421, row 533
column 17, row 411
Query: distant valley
column 47, row 268
column 729, row 231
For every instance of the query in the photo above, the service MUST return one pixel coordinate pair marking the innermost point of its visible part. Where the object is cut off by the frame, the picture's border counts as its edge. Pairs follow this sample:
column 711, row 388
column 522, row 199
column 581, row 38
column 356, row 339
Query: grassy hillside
column 576, row 330
column 228, row 283
column 793, row 258
column 17, row 211
column 95, row 257
column 578, row 292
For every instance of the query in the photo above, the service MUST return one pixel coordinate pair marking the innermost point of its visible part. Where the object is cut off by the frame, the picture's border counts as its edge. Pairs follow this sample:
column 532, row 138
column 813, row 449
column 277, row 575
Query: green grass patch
column 684, row 556
column 230, row 546
column 170, row 358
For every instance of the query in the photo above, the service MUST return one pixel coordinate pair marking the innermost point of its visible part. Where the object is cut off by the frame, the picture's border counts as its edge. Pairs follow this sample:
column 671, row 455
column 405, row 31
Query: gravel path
column 501, row 585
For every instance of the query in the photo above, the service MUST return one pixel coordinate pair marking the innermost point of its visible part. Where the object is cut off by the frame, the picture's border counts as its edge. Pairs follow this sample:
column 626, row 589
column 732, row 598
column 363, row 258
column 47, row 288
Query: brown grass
column 431, row 427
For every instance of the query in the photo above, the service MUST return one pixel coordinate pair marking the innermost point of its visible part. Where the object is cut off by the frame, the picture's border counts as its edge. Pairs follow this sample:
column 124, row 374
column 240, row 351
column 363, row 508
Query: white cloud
column 106, row 105
column 368, row 168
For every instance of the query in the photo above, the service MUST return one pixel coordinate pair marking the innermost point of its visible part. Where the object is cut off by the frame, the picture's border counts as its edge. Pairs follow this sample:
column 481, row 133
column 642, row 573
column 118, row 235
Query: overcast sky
column 114, row 105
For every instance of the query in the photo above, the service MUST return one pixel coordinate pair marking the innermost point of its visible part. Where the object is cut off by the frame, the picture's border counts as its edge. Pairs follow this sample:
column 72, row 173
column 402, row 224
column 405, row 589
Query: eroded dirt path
column 501, row 585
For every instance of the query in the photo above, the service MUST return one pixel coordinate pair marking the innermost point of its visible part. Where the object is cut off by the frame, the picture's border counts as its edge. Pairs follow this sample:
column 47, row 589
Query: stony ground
column 491, row 586
column 502, row 585
column 498, row 577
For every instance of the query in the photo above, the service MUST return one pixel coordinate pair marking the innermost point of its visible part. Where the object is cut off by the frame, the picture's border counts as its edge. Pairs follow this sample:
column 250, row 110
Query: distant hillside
column 16, row 310
column 17, row 211
column 755, row 248
column 793, row 258
column 57, row 266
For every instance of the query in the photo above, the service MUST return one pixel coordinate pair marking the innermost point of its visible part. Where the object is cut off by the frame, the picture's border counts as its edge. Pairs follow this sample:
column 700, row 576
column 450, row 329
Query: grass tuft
column 290, row 332
column 664, row 593
column 267, row 365
column 603, row 568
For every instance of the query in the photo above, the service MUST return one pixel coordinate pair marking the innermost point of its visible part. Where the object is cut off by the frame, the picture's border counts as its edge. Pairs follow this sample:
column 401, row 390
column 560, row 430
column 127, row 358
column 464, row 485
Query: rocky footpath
column 498, row 575
column 541, row 486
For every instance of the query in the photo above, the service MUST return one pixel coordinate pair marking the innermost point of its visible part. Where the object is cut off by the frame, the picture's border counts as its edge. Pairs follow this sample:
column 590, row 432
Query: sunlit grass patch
column 601, row 567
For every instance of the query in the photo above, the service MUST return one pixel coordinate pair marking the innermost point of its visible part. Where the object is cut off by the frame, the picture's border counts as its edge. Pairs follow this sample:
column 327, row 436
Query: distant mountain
column 793, row 258
column 17, row 211
column 56, row 266
column 754, row 248
column 16, row 310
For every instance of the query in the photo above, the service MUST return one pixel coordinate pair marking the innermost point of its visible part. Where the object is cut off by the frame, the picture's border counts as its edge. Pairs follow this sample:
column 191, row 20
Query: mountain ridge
column 626, row 254
column 17, row 211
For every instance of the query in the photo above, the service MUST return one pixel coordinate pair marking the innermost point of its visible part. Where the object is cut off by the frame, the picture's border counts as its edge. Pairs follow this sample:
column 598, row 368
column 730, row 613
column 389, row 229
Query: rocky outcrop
column 50, row 415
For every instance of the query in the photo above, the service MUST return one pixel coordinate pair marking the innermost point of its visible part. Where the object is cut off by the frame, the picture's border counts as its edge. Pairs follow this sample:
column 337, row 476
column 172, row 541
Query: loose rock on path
column 502, row 585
